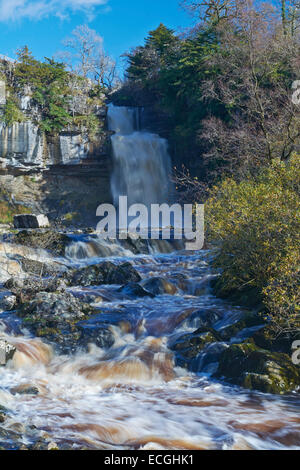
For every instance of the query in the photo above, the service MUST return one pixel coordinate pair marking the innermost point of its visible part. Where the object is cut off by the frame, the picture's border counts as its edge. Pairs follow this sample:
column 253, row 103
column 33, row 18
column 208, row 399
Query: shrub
column 256, row 224
column 12, row 113
column 7, row 212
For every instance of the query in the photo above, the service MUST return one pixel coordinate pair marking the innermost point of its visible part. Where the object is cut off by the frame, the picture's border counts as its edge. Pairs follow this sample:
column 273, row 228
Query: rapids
column 132, row 396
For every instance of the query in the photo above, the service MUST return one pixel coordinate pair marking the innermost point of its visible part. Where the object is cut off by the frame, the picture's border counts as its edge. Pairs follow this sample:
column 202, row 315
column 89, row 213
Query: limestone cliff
column 55, row 172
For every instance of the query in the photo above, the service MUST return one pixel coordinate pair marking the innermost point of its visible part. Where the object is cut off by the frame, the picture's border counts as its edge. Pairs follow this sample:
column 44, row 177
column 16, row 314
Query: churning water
column 132, row 396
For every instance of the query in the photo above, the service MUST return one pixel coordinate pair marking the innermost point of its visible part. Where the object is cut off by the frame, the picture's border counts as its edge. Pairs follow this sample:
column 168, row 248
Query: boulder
column 100, row 335
column 247, row 321
column 51, row 240
column 8, row 302
column 159, row 286
column 201, row 318
column 103, row 273
column 188, row 347
column 253, row 368
column 31, row 221
column 25, row 389
column 38, row 268
column 134, row 290
column 26, row 289
column 7, row 352
column 54, row 317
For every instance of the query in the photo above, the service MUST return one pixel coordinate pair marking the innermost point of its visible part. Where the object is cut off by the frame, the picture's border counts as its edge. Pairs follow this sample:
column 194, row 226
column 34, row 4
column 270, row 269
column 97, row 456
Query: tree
column 290, row 15
column 159, row 52
column 211, row 11
column 86, row 56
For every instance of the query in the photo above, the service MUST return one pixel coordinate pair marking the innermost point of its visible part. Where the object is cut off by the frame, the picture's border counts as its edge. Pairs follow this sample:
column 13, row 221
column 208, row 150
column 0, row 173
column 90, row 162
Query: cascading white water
column 142, row 165
column 142, row 169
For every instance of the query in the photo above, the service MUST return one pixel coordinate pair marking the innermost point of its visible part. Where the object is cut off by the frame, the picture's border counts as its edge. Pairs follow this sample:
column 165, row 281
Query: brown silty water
column 132, row 396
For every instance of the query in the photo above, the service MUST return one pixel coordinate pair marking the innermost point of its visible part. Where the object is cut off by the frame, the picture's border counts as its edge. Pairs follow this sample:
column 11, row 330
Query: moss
column 41, row 332
column 254, row 368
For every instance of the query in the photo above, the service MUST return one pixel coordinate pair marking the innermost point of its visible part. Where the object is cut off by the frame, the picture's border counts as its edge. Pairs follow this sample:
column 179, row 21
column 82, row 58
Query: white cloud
column 12, row 10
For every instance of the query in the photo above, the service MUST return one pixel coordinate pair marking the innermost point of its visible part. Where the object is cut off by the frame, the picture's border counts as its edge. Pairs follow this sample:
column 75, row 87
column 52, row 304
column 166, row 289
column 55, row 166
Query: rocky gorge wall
column 63, row 174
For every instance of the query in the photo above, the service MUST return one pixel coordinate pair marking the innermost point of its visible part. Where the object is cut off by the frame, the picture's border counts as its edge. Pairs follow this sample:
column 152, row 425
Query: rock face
column 31, row 221
column 40, row 170
column 21, row 145
column 2, row 93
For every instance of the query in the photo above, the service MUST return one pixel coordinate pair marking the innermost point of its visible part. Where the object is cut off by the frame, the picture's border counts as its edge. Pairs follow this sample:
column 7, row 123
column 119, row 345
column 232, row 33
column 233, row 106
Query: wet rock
column 38, row 268
column 159, row 286
column 208, row 360
column 100, row 335
column 31, row 221
column 188, row 347
column 53, row 308
column 103, row 273
column 8, row 268
column 25, row 389
column 7, row 352
column 253, row 368
column 3, row 413
column 8, row 302
column 51, row 240
column 248, row 320
column 26, row 289
column 54, row 317
column 136, row 245
column 204, row 318
column 135, row 290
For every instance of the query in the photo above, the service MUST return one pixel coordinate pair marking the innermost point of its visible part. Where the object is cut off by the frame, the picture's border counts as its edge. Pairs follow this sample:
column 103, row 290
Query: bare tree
column 210, row 10
column 85, row 56
column 264, row 123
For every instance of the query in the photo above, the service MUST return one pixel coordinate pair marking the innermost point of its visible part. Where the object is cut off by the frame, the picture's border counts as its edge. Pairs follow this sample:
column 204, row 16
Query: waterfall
column 142, row 165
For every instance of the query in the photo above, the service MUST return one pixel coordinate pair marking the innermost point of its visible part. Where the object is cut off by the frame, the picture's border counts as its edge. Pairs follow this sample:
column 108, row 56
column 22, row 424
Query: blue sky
column 43, row 24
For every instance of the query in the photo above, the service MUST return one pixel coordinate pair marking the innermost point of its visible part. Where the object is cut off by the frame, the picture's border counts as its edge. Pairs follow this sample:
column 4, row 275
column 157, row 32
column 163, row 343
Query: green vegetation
column 49, row 84
column 225, row 88
column 8, row 211
column 256, row 222
column 53, row 91
column 12, row 113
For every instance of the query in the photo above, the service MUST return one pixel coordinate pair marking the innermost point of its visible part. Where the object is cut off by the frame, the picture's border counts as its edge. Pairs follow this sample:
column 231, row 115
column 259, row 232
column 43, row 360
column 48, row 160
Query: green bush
column 49, row 82
column 12, row 113
column 256, row 225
